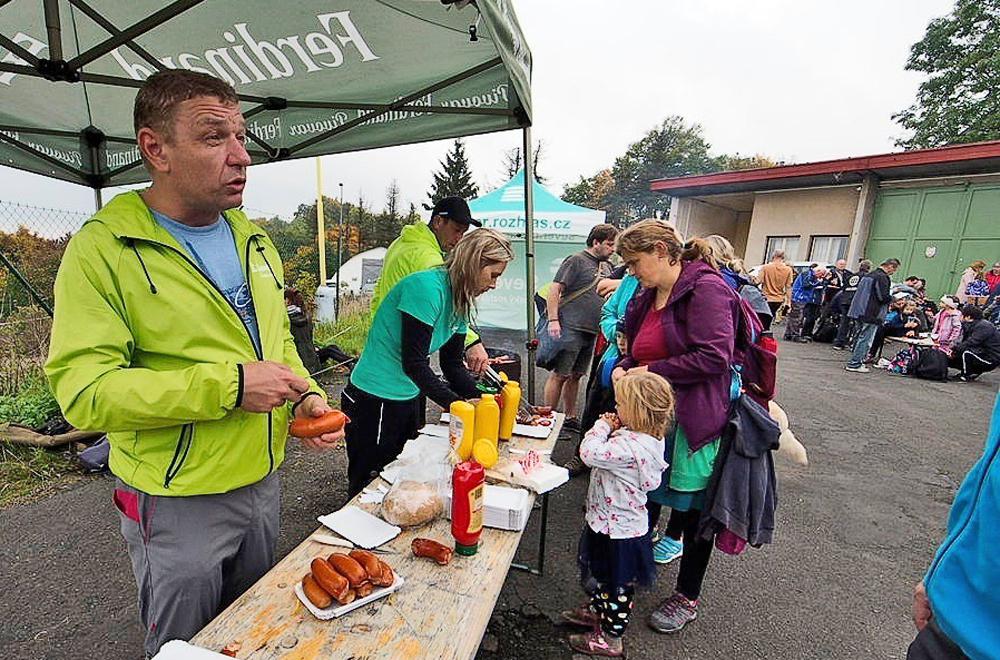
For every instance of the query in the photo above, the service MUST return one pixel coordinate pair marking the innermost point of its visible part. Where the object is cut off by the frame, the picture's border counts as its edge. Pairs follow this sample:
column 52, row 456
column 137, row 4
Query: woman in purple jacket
column 682, row 327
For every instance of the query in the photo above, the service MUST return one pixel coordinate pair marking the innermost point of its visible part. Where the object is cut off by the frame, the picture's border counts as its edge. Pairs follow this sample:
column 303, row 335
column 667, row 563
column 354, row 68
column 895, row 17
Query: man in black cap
column 421, row 246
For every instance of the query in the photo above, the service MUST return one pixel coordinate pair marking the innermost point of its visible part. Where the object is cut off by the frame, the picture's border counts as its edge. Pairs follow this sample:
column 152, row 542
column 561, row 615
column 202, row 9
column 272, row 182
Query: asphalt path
column 856, row 529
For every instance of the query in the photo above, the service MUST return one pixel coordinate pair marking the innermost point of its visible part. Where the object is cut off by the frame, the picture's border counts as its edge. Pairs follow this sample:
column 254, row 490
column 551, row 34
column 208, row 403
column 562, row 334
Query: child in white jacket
column 625, row 452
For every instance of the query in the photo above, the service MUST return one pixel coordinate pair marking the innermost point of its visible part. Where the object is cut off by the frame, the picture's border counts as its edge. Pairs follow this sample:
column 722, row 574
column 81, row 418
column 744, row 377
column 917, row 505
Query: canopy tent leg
column 529, row 260
column 320, row 224
column 98, row 200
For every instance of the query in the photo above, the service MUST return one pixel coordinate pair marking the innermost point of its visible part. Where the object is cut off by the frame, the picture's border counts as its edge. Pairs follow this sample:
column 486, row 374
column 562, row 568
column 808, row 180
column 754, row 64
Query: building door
column 936, row 232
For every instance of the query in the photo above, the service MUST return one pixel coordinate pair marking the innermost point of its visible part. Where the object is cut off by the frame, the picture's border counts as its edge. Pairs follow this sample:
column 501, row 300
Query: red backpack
column 759, row 369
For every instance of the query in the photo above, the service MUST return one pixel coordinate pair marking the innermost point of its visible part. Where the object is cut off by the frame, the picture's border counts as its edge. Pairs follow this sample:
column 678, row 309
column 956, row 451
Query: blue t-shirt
column 213, row 248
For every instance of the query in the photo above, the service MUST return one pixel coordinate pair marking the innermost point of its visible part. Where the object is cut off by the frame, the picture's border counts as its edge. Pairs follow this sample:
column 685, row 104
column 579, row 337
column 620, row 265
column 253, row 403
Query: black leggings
column 697, row 552
column 614, row 606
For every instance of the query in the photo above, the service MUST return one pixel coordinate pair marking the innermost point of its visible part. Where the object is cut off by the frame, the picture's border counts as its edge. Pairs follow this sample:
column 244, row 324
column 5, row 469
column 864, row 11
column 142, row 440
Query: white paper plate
column 360, row 527
column 341, row 610
column 523, row 430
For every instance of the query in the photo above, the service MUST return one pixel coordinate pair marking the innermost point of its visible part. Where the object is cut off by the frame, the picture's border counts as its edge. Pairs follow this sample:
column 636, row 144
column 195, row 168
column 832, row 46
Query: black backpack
column 931, row 365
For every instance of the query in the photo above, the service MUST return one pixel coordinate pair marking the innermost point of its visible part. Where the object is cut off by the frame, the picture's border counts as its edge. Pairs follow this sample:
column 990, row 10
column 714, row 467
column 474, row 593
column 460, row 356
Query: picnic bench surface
column 440, row 612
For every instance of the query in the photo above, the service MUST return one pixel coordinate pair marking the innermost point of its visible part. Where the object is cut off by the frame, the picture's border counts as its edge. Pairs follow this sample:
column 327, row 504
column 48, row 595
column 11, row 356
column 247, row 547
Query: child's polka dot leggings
column 614, row 607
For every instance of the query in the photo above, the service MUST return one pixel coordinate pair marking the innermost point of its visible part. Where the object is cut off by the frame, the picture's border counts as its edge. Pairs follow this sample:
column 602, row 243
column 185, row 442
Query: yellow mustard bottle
column 461, row 428
column 510, row 396
column 487, row 418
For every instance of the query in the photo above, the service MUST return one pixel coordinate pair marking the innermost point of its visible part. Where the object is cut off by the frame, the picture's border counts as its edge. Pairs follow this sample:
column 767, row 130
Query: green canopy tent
column 314, row 77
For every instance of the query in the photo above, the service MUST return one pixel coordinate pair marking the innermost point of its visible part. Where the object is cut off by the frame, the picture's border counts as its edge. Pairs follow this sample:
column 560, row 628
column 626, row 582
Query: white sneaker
column 882, row 363
column 858, row 370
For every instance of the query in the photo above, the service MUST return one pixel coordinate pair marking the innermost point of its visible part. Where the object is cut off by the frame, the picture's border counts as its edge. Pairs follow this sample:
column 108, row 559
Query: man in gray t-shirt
column 574, row 312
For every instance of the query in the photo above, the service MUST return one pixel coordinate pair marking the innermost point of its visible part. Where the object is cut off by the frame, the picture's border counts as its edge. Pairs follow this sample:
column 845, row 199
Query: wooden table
column 913, row 341
column 441, row 611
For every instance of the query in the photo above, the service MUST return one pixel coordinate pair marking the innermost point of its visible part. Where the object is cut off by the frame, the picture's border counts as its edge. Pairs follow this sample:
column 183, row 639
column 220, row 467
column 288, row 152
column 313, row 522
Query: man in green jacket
column 422, row 246
column 171, row 335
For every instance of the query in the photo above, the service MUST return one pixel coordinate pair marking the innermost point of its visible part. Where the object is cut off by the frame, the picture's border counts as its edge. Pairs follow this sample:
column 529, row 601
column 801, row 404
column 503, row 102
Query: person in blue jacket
column 956, row 607
column 806, row 292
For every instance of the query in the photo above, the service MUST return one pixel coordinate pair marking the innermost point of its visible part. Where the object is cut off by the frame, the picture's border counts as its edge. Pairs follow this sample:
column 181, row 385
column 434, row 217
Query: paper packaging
column 503, row 508
column 337, row 610
column 360, row 527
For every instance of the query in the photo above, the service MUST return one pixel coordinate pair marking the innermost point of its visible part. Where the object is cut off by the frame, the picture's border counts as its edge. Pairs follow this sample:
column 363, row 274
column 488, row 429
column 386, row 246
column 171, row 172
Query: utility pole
column 320, row 224
column 340, row 240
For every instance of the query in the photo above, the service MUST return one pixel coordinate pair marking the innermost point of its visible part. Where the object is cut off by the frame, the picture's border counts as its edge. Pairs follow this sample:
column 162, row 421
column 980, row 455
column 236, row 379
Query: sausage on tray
column 349, row 568
column 315, row 593
column 431, row 549
column 331, row 581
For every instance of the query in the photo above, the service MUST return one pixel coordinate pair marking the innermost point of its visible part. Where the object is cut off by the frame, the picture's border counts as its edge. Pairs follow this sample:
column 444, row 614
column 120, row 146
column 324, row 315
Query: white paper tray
column 180, row 650
column 360, row 527
column 524, row 430
column 341, row 610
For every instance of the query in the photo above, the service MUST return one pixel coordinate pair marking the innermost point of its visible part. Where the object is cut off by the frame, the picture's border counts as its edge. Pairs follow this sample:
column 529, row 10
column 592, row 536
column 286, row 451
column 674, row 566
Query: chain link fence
column 32, row 241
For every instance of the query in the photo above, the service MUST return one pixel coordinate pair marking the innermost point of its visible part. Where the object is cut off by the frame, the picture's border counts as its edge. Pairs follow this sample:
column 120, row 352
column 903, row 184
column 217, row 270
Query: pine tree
column 455, row 177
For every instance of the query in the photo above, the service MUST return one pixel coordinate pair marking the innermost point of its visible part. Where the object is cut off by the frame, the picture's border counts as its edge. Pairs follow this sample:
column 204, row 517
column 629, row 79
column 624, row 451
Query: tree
column 674, row 148
column 513, row 161
column 593, row 192
column 958, row 102
column 727, row 162
column 455, row 177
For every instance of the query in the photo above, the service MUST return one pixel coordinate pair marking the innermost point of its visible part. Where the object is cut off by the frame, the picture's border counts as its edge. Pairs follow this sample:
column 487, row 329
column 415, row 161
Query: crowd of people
column 859, row 311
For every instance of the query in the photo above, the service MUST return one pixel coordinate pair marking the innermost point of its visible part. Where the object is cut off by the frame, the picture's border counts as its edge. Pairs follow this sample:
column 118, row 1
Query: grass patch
column 27, row 471
column 350, row 331
column 32, row 406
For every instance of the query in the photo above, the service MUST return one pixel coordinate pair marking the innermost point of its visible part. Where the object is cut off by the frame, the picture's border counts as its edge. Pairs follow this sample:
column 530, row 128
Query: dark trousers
column 795, row 321
column 844, row 329
column 809, row 316
column 932, row 644
column 697, row 552
column 971, row 363
column 378, row 430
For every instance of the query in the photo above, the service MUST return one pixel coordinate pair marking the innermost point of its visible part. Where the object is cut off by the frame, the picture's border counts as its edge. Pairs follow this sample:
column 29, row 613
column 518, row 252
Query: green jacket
column 415, row 250
column 145, row 347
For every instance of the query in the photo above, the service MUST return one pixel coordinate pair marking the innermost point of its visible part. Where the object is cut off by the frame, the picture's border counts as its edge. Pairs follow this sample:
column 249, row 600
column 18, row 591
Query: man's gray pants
column 193, row 556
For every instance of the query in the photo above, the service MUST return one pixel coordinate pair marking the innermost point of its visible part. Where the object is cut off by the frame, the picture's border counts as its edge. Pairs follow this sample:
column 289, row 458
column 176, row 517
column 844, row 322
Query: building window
column 827, row 249
column 790, row 244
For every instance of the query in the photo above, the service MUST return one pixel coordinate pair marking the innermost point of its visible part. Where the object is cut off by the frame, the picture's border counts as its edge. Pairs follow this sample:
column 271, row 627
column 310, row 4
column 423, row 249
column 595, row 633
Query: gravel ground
column 856, row 529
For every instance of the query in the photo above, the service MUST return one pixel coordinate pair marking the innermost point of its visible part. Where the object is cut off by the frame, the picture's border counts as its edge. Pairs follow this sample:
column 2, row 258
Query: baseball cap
column 455, row 208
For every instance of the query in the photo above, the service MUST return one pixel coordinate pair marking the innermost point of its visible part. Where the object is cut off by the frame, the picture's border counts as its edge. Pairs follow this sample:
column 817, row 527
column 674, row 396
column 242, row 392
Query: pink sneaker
column 597, row 643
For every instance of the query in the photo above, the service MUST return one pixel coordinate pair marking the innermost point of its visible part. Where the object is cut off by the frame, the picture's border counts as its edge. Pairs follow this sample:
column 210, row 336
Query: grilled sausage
column 315, row 593
column 329, row 579
column 349, row 568
column 431, row 549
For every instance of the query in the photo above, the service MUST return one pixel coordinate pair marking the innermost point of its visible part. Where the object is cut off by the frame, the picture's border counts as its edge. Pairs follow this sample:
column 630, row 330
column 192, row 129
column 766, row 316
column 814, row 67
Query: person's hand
column 617, row 374
column 607, row 286
column 476, row 358
column 555, row 331
column 911, row 333
column 921, row 607
column 267, row 385
column 911, row 324
column 612, row 420
column 641, row 369
column 315, row 406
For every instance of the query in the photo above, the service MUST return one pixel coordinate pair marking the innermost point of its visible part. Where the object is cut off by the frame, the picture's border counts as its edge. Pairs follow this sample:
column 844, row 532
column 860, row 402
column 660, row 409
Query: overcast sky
column 796, row 80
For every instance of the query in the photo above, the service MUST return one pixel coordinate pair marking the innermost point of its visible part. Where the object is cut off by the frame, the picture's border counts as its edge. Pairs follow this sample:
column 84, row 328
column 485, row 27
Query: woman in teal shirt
column 425, row 312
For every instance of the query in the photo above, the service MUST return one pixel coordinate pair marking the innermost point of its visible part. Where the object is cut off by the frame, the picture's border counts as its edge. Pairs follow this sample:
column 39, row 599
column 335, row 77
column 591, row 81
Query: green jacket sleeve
column 91, row 349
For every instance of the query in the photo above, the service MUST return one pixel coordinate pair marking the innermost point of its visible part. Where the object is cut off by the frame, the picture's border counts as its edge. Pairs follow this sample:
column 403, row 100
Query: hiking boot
column 861, row 369
column 597, row 643
column 967, row 379
column 837, row 347
column 571, row 424
column 666, row 550
column 576, row 467
column 673, row 614
column 582, row 615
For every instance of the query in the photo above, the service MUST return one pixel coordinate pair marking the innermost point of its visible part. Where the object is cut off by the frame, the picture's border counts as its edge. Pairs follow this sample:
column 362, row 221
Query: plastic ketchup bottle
column 467, row 483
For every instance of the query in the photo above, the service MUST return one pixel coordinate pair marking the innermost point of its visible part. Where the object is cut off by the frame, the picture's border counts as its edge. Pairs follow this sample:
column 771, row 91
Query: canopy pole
column 320, row 224
column 529, row 260
column 98, row 200
column 53, row 29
